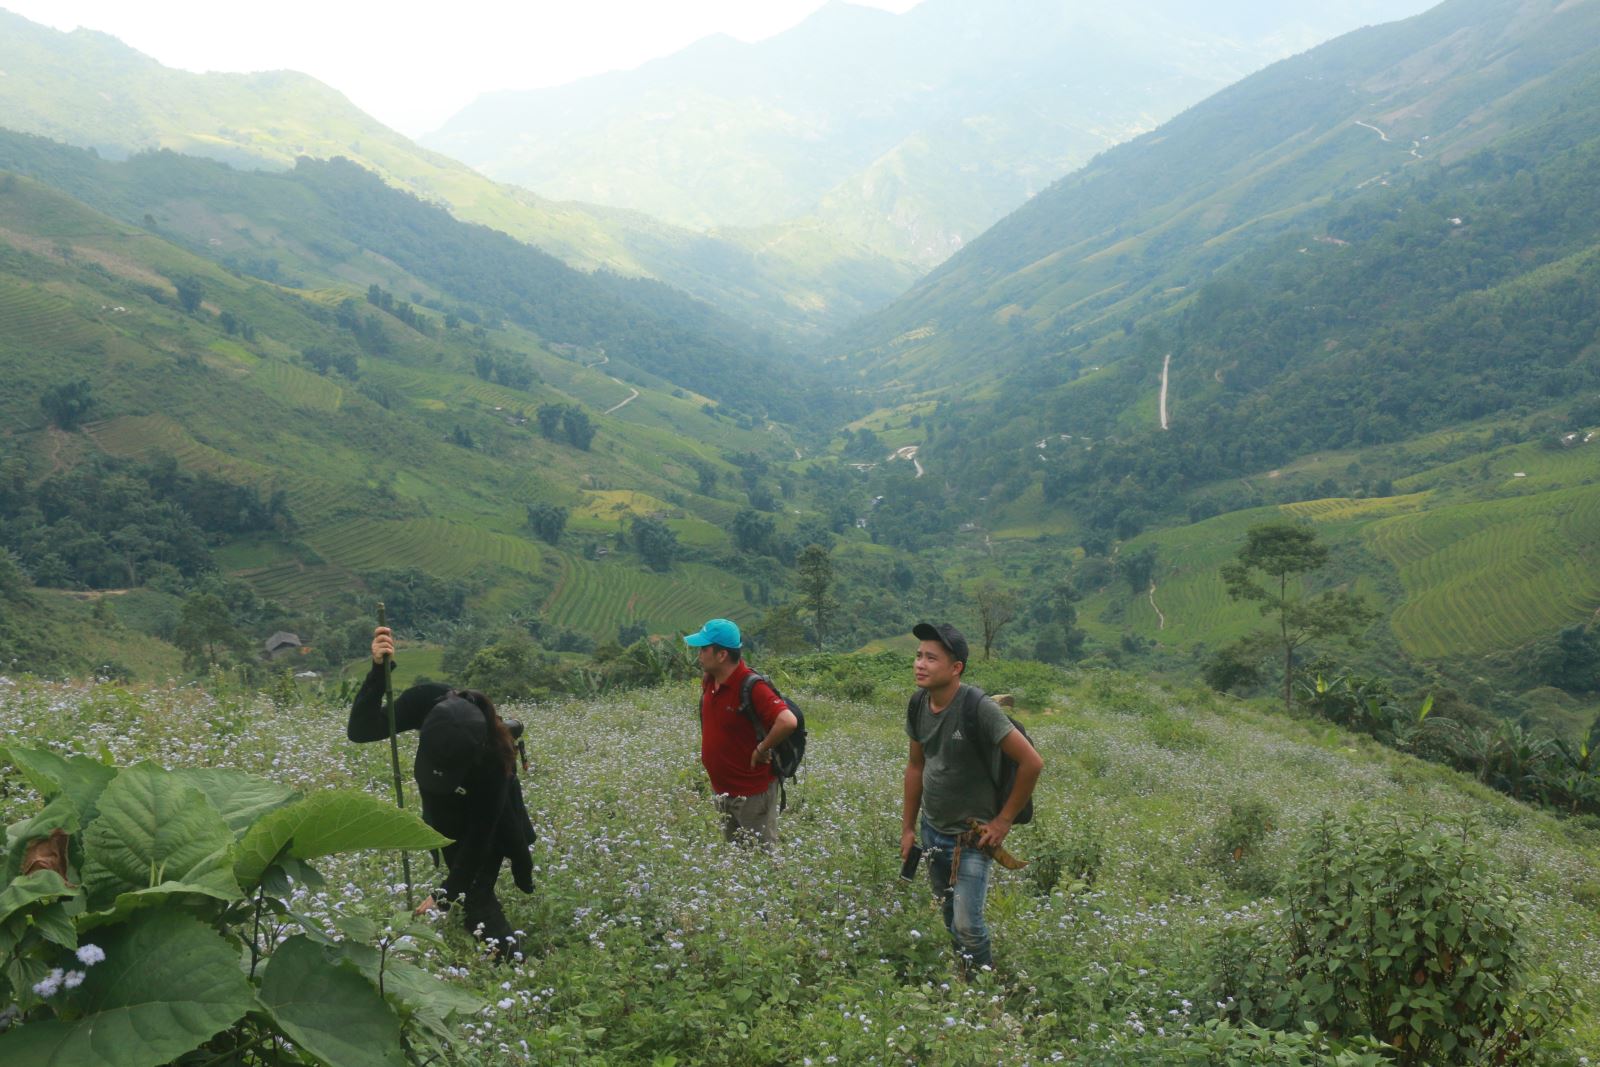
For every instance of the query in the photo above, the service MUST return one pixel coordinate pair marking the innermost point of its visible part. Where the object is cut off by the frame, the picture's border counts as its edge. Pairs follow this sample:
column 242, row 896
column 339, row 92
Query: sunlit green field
column 649, row 941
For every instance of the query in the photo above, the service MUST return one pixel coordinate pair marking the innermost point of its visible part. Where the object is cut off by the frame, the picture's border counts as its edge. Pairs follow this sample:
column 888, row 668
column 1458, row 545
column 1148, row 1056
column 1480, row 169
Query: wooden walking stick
column 394, row 749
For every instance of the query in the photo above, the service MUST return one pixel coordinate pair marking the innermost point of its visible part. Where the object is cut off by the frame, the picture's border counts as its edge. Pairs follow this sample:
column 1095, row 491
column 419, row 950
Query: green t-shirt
column 958, row 772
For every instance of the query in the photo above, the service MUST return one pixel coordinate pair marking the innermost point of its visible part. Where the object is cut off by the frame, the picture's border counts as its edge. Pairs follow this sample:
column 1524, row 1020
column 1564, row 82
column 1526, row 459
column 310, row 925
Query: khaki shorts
column 756, row 816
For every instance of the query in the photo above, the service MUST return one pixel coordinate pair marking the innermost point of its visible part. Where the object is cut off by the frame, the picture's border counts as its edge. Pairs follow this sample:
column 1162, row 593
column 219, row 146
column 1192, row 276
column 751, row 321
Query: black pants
column 472, row 883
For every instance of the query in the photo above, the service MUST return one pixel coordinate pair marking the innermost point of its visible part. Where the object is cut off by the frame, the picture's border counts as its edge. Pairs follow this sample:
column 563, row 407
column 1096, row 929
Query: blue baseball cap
column 721, row 632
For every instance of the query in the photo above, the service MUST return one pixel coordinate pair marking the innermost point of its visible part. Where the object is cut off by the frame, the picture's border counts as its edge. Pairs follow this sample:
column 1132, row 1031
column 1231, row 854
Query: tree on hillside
column 1138, row 569
column 657, row 544
column 578, row 427
column 752, row 532
column 997, row 606
column 1282, row 551
column 190, row 293
column 816, row 579
column 781, row 631
column 205, row 630
column 547, row 520
column 66, row 404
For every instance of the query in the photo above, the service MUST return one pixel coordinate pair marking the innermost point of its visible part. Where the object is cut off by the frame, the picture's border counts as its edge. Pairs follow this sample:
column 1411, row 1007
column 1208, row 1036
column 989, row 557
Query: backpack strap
column 971, row 698
column 918, row 700
column 747, row 707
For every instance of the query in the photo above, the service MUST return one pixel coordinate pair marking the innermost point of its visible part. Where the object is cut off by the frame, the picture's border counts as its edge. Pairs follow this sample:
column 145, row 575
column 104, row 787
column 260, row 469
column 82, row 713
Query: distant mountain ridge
column 88, row 89
column 909, row 133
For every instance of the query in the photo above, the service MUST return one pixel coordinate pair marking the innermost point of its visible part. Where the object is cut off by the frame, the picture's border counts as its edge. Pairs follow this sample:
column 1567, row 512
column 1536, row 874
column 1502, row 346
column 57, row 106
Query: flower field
column 649, row 941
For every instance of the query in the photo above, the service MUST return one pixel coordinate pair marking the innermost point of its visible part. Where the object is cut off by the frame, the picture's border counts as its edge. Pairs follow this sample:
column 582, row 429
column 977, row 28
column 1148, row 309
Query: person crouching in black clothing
column 466, row 772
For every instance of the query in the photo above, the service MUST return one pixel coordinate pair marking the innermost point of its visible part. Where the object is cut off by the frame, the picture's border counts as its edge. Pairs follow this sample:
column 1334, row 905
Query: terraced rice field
column 1496, row 574
column 295, row 582
column 1349, row 509
column 31, row 317
column 438, row 546
column 298, row 387
column 596, row 598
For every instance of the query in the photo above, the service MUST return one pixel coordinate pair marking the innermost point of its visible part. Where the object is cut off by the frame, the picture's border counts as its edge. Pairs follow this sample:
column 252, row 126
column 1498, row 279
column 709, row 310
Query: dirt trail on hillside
column 1166, row 366
column 1161, row 620
column 625, row 403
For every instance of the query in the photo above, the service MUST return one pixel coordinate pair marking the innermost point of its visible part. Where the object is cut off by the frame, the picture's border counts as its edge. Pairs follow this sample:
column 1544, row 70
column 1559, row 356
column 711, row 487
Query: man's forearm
column 913, row 798
column 785, row 725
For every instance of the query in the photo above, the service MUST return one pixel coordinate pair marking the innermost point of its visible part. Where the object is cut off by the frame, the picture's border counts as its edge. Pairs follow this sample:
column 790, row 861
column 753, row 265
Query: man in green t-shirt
column 950, row 778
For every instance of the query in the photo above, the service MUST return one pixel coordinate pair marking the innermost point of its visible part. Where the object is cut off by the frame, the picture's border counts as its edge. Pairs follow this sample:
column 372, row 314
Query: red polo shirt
column 727, row 738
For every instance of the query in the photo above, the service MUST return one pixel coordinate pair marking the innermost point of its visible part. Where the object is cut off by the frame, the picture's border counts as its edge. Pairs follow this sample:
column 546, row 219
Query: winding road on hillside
column 909, row 452
column 625, row 403
column 1166, row 365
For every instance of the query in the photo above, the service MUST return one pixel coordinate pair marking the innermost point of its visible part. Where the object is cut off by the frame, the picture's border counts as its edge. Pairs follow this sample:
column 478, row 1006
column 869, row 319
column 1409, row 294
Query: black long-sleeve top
column 489, row 822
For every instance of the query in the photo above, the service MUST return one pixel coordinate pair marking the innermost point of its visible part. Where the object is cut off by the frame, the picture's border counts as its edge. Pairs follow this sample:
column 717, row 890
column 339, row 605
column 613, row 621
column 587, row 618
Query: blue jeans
column 961, row 902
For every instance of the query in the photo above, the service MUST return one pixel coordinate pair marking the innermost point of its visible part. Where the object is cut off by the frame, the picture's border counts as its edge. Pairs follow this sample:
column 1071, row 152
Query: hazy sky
column 410, row 64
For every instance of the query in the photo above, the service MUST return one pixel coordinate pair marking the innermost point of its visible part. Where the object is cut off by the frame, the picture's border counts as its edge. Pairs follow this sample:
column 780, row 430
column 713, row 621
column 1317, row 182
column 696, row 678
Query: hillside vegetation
column 1358, row 287
column 360, row 436
column 1170, row 826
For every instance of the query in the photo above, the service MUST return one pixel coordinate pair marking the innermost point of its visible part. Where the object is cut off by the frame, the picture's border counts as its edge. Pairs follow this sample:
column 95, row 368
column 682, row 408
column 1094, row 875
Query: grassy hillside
column 88, row 89
column 1120, row 943
column 408, row 458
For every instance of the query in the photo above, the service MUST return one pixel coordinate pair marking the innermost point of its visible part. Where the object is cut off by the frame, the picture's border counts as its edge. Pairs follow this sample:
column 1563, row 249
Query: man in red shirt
column 737, row 760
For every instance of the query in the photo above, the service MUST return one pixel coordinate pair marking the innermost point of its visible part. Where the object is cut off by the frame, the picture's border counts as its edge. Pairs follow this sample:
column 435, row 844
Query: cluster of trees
column 511, row 372
column 1501, row 753
column 109, row 522
column 380, row 297
column 567, row 423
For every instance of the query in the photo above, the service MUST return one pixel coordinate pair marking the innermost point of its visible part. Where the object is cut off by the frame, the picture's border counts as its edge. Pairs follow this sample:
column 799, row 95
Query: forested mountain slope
column 1146, row 224
column 89, row 89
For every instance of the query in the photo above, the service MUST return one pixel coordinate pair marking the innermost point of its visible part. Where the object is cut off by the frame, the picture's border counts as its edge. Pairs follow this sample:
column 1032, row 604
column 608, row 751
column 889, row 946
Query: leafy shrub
column 156, row 926
column 1400, row 930
column 1076, row 854
column 1236, row 845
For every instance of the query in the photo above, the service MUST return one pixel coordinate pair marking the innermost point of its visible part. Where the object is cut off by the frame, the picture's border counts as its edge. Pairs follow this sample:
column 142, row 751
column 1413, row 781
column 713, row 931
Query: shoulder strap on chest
column 919, row 699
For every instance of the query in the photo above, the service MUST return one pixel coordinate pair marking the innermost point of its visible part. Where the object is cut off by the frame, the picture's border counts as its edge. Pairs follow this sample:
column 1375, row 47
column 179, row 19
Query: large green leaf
column 168, row 984
column 339, row 820
column 168, row 892
column 322, row 1001
column 239, row 798
column 153, row 829
column 31, row 889
column 79, row 777
column 61, row 813
column 34, row 901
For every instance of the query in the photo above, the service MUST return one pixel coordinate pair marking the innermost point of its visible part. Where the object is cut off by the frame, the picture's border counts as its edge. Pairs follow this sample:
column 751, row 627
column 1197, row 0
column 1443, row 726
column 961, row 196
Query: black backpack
column 786, row 754
column 968, row 698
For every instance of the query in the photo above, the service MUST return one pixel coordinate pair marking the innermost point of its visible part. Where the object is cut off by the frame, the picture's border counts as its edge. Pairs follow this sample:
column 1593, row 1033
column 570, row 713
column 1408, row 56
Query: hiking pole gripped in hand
column 394, row 747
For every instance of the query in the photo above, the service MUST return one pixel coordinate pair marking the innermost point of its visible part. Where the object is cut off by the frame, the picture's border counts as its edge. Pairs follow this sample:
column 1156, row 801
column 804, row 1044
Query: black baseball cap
column 453, row 739
column 947, row 635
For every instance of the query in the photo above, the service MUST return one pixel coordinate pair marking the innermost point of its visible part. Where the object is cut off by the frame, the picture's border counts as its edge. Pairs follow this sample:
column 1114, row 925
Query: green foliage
column 548, row 521
column 815, row 582
column 1404, row 932
column 67, row 404
column 141, row 964
column 1285, row 551
column 655, row 541
column 1238, row 845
